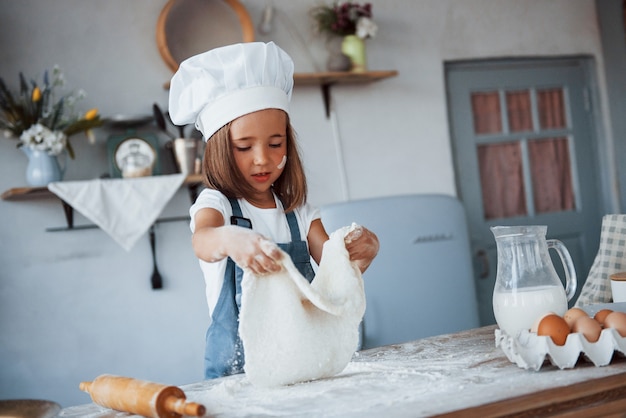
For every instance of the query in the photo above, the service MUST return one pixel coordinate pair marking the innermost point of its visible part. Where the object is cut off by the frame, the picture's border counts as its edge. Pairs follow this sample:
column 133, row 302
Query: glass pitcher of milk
column 527, row 285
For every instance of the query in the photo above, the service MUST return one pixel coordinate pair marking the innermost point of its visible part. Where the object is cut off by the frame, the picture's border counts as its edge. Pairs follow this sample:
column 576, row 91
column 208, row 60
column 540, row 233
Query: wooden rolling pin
column 140, row 397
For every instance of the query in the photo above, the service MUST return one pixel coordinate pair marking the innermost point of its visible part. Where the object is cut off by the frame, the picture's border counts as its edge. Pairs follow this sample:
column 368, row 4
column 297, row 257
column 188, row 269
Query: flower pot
column 354, row 48
column 42, row 167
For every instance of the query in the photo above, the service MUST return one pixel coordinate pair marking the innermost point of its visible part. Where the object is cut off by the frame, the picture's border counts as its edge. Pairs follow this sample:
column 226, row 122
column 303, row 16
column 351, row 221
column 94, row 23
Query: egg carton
column 530, row 351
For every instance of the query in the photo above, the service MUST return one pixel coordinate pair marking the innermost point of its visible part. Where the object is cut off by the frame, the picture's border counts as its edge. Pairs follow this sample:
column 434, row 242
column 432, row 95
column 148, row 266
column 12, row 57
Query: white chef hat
column 218, row 86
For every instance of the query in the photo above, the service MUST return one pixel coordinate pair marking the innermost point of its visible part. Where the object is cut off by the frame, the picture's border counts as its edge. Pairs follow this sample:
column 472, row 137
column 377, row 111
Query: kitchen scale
column 137, row 151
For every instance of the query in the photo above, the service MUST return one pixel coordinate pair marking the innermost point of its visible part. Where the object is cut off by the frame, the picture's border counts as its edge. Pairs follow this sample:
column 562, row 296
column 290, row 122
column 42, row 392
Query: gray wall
column 611, row 18
column 74, row 305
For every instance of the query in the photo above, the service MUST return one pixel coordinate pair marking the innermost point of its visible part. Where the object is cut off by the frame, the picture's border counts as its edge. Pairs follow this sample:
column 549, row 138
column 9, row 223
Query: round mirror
column 190, row 27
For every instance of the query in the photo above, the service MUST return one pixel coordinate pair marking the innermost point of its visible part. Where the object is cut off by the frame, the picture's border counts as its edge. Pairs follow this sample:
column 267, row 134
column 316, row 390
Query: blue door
column 525, row 154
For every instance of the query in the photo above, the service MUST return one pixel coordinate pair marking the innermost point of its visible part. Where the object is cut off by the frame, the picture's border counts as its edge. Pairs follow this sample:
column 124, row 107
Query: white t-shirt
column 271, row 223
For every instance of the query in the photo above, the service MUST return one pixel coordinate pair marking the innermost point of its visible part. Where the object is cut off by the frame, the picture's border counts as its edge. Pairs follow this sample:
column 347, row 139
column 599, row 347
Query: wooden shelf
column 192, row 181
column 25, row 193
column 334, row 77
column 329, row 78
column 341, row 77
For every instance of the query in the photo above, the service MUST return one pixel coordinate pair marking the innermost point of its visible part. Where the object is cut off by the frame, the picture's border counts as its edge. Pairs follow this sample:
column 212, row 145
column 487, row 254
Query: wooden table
column 460, row 374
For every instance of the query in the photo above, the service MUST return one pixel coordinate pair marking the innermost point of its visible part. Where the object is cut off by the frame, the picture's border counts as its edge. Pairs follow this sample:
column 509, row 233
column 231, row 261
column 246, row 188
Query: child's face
column 259, row 143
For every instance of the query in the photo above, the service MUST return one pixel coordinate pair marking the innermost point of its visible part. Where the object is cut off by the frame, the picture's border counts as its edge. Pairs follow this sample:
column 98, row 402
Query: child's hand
column 362, row 245
column 252, row 251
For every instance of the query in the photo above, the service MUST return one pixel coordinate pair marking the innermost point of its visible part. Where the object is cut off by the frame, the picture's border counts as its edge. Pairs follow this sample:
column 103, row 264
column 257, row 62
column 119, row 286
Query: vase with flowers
column 350, row 21
column 43, row 124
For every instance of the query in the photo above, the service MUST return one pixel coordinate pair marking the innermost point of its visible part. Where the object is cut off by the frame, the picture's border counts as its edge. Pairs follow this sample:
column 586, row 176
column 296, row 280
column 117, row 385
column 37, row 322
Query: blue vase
column 42, row 168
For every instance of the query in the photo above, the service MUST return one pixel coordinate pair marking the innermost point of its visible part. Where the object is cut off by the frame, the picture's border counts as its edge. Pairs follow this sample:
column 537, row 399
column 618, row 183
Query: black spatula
column 156, row 280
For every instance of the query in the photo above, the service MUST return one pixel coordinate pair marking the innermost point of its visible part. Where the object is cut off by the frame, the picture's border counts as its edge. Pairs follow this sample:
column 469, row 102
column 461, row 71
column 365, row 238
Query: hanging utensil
column 181, row 128
column 160, row 120
column 156, row 280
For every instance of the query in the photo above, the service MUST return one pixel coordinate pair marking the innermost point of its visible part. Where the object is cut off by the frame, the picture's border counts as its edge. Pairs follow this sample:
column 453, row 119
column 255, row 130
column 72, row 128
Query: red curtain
column 502, row 181
column 501, row 163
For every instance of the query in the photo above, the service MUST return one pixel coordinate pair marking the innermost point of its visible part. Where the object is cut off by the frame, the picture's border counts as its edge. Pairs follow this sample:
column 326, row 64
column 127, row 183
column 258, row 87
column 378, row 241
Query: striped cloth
column 611, row 258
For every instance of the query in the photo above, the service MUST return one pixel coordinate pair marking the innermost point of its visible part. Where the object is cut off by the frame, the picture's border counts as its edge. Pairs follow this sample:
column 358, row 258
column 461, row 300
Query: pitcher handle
column 570, row 274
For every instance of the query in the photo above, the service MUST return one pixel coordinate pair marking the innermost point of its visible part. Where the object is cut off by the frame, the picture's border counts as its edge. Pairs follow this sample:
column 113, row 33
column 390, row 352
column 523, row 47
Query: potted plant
column 350, row 21
column 43, row 123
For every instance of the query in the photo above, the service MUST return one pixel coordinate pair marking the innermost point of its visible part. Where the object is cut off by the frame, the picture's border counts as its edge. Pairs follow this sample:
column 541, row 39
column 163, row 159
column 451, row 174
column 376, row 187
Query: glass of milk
column 527, row 285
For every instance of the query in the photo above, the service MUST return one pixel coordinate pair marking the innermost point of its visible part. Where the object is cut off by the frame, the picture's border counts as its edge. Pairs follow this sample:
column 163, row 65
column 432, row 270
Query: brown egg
column 616, row 320
column 601, row 315
column 555, row 327
column 572, row 315
column 588, row 327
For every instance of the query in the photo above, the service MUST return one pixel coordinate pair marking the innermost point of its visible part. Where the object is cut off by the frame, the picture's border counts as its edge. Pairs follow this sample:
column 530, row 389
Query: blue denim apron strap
column 299, row 254
column 298, row 248
column 224, row 351
column 237, row 272
column 292, row 221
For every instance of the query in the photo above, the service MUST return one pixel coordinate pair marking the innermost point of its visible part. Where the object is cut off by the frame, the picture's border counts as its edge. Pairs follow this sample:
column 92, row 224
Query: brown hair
column 220, row 171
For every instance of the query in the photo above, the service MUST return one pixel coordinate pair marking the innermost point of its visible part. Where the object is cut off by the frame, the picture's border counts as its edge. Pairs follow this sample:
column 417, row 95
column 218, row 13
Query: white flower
column 366, row 28
column 41, row 138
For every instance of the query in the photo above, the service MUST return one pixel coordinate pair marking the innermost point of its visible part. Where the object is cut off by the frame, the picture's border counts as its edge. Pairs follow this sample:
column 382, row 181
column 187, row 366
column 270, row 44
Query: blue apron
column 223, row 354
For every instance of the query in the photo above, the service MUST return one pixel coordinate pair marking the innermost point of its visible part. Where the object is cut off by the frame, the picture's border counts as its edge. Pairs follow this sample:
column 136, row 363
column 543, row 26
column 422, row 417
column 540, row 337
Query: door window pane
column 502, row 180
column 486, row 113
column 551, row 175
column 551, row 109
column 518, row 109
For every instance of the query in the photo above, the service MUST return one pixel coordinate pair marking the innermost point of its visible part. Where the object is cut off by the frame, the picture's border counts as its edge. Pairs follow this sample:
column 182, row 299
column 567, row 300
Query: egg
column 616, row 320
column 601, row 315
column 572, row 315
column 588, row 327
column 554, row 327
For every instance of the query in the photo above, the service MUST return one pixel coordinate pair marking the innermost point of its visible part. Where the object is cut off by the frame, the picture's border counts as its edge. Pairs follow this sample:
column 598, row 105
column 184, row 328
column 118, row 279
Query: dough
column 294, row 331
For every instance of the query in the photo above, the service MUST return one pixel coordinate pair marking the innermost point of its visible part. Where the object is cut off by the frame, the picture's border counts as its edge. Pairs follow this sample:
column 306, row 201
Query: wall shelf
column 25, row 193
column 192, row 181
column 329, row 78
column 341, row 77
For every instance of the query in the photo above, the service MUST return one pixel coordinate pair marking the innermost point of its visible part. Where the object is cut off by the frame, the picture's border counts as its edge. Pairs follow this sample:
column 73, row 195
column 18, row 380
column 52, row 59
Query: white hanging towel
column 123, row 208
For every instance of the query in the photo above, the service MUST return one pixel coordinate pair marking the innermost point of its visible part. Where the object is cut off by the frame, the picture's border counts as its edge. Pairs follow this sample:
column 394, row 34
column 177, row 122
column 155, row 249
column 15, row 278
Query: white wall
column 74, row 304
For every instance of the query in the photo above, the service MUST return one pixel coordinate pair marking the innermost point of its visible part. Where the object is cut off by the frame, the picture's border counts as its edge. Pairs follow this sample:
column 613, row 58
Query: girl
column 238, row 97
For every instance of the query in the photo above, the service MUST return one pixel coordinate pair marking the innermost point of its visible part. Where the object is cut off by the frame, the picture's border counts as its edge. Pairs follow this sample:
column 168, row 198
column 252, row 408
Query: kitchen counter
column 461, row 374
